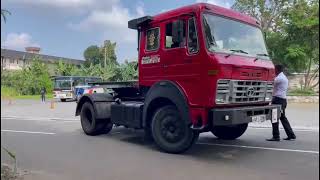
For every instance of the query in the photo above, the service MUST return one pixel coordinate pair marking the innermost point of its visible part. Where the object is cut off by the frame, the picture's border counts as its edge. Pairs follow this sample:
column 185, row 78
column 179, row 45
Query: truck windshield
column 62, row 85
column 230, row 36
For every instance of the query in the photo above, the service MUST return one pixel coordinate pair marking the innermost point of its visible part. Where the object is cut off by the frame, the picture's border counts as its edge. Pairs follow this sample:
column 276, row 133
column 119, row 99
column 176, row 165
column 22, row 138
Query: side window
column 152, row 39
column 169, row 32
column 193, row 46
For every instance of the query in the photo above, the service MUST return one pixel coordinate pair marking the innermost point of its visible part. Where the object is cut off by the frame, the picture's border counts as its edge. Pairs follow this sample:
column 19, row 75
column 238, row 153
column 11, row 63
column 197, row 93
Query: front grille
column 243, row 91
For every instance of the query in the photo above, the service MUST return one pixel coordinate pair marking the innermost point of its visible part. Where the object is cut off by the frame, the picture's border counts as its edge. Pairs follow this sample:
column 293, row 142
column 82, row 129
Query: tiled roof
column 13, row 54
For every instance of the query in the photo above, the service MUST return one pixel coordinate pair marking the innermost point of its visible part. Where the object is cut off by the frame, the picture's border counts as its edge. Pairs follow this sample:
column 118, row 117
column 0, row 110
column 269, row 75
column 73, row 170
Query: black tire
column 229, row 132
column 171, row 133
column 63, row 100
column 90, row 125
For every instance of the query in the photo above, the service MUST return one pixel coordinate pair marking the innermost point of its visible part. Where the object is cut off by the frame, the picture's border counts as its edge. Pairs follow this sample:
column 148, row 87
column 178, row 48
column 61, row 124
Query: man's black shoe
column 289, row 138
column 273, row 139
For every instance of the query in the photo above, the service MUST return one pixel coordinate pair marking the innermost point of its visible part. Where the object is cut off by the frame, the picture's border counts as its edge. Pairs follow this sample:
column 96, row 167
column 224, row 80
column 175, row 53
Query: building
column 16, row 60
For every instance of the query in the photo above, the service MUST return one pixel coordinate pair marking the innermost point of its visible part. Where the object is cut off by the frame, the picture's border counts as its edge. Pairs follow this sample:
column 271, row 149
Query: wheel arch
column 99, row 102
column 165, row 93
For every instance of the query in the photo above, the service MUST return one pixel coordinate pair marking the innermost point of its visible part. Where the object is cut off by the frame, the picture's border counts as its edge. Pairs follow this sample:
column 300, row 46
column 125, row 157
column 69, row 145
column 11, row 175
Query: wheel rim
column 172, row 130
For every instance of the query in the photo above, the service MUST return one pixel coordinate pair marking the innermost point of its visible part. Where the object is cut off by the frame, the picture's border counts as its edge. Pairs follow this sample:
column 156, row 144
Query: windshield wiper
column 236, row 51
column 263, row 54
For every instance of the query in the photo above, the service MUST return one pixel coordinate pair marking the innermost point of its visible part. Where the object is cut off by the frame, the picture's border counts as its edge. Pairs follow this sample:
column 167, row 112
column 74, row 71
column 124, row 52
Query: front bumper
column 241, row 115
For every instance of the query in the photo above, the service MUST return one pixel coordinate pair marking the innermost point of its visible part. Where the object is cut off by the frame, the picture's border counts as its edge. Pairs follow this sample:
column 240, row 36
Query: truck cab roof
column 194, row 8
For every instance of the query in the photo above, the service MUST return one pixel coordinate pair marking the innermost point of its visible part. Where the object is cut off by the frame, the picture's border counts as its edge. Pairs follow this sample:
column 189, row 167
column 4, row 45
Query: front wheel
column 170, row 132
column 63, row 100
column 229, row 132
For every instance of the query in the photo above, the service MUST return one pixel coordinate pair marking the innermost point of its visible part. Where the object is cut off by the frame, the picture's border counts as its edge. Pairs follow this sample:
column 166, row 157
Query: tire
column 170, row 132
column 63, row 100
column 229, row 132
column 92, row 126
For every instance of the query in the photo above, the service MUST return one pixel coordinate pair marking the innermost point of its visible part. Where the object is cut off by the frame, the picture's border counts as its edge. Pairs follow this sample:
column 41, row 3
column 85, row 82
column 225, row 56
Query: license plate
column 259, row 118
column 274, row 118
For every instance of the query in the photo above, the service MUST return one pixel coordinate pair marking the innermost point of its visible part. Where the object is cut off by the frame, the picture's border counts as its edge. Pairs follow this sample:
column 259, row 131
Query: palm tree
column 4, row 14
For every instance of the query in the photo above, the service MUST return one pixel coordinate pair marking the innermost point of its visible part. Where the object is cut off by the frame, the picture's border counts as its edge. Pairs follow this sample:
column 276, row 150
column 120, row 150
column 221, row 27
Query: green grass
column 48, row 96
column 302, row 92
column 8, row 92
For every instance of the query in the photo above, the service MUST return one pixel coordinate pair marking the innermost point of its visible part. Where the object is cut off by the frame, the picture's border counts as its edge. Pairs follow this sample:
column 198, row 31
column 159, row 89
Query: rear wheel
column 229, row 132
column 91, row 125
column 170, row 132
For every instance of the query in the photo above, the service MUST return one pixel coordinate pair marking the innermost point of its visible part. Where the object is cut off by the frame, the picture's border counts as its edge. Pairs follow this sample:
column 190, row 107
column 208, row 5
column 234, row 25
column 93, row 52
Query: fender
column 98, row 100
column 170, row 91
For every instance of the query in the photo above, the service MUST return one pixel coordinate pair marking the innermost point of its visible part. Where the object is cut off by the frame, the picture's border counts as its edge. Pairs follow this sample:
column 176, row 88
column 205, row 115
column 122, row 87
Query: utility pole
column 105, row 53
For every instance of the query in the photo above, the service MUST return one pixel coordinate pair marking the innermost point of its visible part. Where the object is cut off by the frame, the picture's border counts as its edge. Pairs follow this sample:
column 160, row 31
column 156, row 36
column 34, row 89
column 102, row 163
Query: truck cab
column 201, row 68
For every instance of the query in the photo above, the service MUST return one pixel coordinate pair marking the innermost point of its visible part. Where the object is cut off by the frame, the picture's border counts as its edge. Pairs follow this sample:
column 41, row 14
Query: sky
column 66, row 28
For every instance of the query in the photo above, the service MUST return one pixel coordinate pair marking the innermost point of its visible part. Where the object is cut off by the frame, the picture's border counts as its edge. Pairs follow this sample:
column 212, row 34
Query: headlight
column 268, row 97
column 221, row 98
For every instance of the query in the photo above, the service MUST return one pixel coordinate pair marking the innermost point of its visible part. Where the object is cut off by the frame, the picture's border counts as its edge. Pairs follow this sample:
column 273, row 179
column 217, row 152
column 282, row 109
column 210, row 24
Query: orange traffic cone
column 52, row 105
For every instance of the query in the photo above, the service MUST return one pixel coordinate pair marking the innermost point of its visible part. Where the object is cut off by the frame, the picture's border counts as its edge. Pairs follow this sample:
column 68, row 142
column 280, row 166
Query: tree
column 302, row 28
column 4, row 14
column 292, row 28
column 108, row 51
column 93, row 55
column 268, row 12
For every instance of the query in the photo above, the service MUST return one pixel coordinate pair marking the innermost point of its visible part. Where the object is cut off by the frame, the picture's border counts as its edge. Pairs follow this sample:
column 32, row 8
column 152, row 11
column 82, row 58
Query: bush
column 8, row 92
column 302, row 92
column 28, row 81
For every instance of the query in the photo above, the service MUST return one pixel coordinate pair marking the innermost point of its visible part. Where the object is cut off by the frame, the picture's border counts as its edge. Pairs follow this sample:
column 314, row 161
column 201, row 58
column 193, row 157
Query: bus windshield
column 70, row 82
column 62, row 84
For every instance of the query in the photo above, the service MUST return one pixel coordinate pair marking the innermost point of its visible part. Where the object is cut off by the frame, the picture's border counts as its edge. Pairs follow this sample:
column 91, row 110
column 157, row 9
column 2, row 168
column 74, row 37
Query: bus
column 66, row 87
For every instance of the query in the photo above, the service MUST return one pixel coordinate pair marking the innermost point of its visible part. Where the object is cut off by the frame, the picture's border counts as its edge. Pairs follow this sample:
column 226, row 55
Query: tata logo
column 250, row 92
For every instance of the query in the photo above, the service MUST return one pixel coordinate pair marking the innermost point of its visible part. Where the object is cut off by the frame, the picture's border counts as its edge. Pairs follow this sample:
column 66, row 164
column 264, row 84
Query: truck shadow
column 204, row 149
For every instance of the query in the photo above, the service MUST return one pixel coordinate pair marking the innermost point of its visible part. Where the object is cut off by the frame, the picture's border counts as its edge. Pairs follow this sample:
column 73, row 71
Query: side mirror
column 177, row 31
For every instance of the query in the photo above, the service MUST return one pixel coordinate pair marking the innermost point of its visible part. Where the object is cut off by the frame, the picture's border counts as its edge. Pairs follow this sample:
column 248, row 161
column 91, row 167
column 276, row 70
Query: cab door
column 150, row 64
column 181, row 55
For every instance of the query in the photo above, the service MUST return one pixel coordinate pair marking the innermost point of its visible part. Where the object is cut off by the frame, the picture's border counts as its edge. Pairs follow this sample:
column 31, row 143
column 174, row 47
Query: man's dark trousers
column 284, row 121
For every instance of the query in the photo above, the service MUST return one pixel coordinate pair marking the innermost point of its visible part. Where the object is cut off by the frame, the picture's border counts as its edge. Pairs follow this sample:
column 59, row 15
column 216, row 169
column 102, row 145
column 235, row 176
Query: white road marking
column 257, row 147
column 298, row 129
column 28, row 132
column 39, row 119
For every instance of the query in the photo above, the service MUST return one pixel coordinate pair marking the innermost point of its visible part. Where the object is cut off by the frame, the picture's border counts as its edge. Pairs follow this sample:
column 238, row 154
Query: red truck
column 201, row 68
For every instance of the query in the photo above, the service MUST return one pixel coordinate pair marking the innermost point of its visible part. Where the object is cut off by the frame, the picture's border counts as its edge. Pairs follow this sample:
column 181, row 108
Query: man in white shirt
column 280, row 97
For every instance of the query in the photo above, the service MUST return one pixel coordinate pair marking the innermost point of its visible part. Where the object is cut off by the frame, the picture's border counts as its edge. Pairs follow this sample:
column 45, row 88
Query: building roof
column 13, row 54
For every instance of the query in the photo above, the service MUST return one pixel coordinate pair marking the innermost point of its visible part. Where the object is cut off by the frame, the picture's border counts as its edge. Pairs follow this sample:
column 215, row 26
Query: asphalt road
column 56, row 148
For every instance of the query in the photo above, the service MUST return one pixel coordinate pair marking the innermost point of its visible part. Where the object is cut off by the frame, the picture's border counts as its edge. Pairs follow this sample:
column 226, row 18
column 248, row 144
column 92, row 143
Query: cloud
column 19, row 41
column 69, row 5
column 113, row 23
column 222, row 3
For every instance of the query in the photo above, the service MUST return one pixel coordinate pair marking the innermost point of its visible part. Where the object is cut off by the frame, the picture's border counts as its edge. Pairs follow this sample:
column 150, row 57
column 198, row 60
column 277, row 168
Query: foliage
column 302, row 92
column 104, row 56
column 292, row 33
column 92, row 55
column 108, row 51
column 65, row 69
column 129, row 71
column 29, row 80
column 4, row 14
column 268, row 12
column 8, row 91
